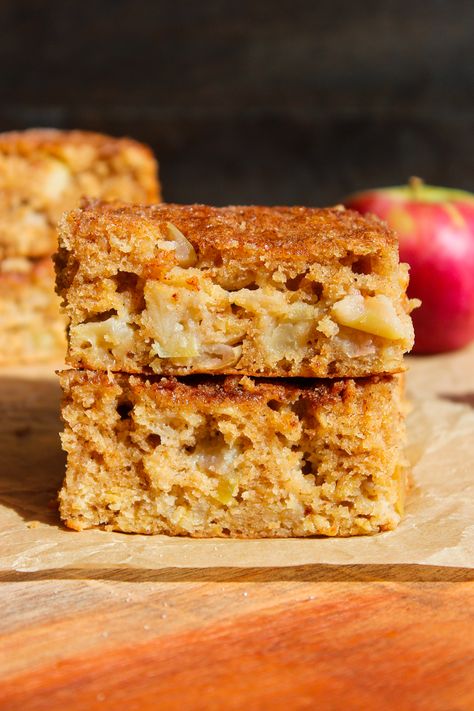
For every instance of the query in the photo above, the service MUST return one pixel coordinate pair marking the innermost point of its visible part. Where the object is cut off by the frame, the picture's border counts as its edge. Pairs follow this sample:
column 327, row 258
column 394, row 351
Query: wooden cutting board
column 295, row 637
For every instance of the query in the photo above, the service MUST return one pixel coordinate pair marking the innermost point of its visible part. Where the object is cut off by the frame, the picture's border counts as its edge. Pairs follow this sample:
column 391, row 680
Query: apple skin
column 436, row 231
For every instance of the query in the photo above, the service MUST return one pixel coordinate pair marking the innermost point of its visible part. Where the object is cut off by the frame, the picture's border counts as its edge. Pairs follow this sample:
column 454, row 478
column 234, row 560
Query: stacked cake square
column 234, row 371
column 42, row 173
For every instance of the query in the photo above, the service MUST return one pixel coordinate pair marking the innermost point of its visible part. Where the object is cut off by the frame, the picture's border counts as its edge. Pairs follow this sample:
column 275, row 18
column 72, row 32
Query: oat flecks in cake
column 232, row 456
column 278, row 292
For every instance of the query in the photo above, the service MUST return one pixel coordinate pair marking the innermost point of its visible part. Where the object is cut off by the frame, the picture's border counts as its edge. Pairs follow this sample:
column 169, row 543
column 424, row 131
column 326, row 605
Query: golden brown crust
column 53, row 141
column 291, row 234
column 241, row 391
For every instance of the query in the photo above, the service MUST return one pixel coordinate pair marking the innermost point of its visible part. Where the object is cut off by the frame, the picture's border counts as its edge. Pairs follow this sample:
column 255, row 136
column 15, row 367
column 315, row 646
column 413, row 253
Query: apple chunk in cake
column 176, row 290
column 232, row 456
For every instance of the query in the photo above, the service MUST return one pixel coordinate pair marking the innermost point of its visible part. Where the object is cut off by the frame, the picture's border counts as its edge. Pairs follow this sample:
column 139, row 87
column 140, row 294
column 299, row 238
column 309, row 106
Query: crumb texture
column 232, row 456
column 281, row 292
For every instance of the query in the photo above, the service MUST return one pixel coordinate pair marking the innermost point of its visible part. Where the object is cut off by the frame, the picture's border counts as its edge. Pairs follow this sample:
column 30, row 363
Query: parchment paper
column 438, row 528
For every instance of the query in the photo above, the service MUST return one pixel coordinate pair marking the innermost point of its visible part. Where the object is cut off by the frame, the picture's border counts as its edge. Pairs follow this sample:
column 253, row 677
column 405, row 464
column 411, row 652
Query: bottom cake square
column 232, row 456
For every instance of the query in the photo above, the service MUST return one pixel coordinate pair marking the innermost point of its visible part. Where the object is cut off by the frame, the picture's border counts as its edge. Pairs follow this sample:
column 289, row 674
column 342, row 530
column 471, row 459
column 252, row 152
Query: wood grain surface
column 295, row 637
column 236, row 639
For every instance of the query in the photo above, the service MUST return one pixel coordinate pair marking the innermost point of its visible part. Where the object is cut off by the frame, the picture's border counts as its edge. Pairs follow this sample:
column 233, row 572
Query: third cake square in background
column 260, row 291
column 44, row 172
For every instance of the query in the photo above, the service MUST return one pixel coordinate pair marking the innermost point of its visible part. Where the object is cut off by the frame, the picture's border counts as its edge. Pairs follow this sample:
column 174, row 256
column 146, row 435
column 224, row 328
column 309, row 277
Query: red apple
column 436, row 231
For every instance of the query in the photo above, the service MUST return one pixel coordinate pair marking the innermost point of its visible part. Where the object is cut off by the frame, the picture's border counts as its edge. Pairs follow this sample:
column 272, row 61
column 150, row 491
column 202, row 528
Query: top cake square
column 44, row 172
column 283, row 291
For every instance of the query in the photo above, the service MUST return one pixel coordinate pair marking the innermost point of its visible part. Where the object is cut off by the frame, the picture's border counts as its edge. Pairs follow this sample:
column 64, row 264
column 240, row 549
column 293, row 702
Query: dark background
column 254, row 101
